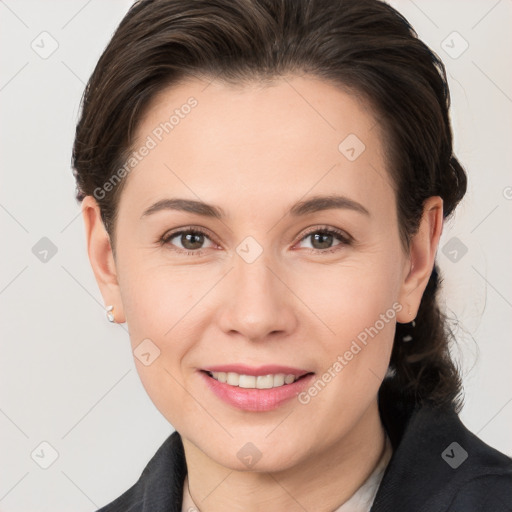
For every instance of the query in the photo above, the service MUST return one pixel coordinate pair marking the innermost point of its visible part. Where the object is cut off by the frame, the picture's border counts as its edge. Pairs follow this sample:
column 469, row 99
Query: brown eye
column 322, row 239
column 191, row 240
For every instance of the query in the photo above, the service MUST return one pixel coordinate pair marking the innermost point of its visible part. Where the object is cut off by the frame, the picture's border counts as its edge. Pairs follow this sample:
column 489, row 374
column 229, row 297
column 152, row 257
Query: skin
column 254, row 151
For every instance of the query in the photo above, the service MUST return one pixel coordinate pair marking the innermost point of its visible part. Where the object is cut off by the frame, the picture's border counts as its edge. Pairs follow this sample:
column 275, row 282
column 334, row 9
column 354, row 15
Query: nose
column 257, row 301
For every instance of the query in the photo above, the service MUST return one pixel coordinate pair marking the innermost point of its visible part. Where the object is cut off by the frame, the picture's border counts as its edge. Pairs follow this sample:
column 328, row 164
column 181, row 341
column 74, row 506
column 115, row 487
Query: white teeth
column 233, row 379
column 289, row 379
column 263, row 381
column 222, row 376
column 253, row 382
column 279, row 379
column 247, row 381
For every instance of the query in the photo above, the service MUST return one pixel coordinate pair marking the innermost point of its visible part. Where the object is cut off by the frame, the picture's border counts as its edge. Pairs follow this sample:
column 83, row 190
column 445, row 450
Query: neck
column 321, row 482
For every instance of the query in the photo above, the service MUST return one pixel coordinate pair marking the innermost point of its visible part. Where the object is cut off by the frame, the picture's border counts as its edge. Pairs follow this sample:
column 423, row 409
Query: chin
column 248, row 456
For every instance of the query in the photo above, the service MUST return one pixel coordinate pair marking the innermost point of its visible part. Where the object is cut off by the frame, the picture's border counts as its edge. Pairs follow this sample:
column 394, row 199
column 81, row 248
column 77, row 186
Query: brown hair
column 364, row 46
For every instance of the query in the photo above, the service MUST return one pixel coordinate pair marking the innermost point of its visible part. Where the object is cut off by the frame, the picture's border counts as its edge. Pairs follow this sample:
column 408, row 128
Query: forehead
column 294, row 135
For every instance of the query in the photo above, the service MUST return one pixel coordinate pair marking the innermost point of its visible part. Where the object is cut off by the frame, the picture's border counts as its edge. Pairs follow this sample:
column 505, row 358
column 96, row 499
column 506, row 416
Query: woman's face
column 264, row 284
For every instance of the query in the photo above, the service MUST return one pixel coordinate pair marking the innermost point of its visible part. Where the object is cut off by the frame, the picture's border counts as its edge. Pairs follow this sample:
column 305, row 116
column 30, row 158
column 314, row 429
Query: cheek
column 359, row 304
column 156, row 308
column 365, row 327
column 156, row 299
column 158, row 311
column 353, row 359
column 353, row 295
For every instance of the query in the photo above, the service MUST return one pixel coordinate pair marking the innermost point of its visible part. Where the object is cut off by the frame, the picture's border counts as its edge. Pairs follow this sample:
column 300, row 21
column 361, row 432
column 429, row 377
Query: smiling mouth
column 273, row 380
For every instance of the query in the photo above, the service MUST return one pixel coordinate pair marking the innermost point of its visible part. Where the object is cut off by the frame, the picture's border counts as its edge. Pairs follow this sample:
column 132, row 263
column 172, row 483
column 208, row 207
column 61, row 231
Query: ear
column 101, row 257
column 421, row 259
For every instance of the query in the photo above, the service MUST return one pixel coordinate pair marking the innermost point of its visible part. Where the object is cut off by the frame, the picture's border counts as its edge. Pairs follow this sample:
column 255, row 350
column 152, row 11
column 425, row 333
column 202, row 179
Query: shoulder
column 439, row 465
column 485, row 483
column 491, row 492
column 160, row 485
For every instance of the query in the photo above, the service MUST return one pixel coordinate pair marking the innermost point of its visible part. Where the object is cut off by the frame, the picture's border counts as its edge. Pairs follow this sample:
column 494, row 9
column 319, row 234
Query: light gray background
column 67, row 376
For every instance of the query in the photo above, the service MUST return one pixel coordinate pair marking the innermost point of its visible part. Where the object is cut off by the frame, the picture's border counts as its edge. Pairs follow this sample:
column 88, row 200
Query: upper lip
column 256, row 371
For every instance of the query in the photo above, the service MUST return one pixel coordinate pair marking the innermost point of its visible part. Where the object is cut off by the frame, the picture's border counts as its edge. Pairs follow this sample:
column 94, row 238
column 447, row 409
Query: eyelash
column 343, row 237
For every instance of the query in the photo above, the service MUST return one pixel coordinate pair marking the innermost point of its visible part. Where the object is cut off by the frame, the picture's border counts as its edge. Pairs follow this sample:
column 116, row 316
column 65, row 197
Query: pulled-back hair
column 364, row 47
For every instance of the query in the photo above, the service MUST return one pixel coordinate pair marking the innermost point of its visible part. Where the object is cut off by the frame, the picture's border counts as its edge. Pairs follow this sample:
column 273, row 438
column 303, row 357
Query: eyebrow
column 305, row 207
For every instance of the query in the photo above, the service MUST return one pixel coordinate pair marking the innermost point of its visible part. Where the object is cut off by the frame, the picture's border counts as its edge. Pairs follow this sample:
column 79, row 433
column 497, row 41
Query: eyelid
column 339, row 232
column 186, row 229
column 344, row 237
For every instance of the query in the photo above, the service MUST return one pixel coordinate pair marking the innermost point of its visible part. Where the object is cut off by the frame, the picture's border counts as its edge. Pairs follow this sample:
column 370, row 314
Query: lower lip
column 256, row 400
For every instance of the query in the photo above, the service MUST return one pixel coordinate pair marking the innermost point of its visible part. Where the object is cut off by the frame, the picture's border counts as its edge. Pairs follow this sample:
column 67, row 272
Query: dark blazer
column 437, row 465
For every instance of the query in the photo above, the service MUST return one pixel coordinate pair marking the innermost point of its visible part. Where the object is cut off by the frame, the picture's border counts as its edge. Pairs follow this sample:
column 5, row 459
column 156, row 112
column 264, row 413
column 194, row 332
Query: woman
column 264, row 185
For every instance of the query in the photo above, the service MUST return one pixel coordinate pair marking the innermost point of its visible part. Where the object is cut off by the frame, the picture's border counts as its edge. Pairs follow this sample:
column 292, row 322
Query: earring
column 110, row 314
